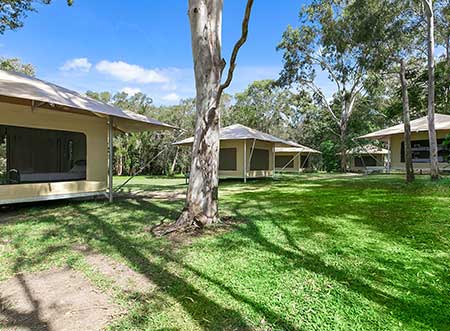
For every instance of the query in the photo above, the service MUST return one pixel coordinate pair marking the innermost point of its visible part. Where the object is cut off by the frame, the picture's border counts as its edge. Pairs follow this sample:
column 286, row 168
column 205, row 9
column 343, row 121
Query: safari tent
column 56, row 143
column 293, row 159
column 245, row 152
column 394, row 137
column 367, row 158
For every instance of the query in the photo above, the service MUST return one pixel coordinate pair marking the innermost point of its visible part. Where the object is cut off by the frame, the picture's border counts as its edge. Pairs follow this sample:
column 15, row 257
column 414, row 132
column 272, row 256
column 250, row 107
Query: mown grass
column 312, row 252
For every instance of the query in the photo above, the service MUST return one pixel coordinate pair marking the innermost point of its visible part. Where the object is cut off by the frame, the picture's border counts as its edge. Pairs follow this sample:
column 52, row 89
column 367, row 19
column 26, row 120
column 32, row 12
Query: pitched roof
column 442, row 122
column 367, row 149
column 19, row 86
column 239, row 132
column 301, row 149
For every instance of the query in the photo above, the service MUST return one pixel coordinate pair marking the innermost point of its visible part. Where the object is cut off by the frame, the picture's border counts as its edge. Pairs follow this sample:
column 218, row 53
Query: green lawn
column 313, row 252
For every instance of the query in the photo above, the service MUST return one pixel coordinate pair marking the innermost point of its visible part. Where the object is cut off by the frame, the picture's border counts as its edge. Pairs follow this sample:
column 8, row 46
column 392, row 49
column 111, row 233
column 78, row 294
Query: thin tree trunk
column 120, row 165
column 174, row 163
column 406, row 122
column 447, row 57
column 201, row 207
column 343, row 141
column 434, row 166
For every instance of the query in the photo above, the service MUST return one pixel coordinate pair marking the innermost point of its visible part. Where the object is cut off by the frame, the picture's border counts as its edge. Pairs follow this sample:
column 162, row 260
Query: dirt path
column 54, row 300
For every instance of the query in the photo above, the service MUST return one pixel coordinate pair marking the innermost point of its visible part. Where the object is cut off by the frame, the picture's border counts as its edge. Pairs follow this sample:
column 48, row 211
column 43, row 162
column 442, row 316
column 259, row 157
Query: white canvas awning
column 442, row 122
column 15, row 87
column 367, row 149
column 301, row 149
column 241, row 132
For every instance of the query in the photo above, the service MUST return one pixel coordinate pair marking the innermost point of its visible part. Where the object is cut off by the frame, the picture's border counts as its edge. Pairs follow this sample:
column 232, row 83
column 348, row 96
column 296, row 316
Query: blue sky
column 142, row 45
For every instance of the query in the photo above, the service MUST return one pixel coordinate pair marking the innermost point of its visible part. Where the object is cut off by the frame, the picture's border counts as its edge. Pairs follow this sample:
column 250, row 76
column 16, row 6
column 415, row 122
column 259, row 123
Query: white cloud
column 130, row 72
column 131, row 90
column 171, row 97
column 81, row 64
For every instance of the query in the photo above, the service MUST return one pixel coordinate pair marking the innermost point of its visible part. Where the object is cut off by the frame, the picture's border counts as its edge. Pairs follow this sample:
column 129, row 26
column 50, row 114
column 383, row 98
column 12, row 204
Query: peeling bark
column 205, row 17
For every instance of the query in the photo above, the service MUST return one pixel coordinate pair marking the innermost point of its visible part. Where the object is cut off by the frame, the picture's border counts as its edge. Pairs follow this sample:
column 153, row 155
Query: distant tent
column 393, row 136
column 367, row 157
column 245, row 152
column 293, row 159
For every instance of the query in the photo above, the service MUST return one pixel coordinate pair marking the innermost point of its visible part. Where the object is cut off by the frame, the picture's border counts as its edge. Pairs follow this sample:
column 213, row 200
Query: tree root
column 186, row 222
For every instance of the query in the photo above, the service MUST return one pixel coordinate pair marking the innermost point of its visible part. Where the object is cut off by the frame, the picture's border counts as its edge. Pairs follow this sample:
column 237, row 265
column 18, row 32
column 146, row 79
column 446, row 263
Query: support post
column 110, row 161
column 273, row 161
column 389, row 156
column 245, row 161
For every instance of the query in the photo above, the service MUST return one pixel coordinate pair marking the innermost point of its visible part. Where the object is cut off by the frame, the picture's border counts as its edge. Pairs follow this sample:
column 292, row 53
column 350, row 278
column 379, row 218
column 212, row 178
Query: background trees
column 360, row 45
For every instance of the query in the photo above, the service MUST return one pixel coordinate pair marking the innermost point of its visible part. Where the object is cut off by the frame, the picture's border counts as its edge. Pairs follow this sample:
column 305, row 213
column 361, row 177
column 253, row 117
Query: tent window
column 365, row 161
column 284, row 161
column 37, row 155
column 227, row 159
column 304, row 161
column 421, row 151
column 260, row 159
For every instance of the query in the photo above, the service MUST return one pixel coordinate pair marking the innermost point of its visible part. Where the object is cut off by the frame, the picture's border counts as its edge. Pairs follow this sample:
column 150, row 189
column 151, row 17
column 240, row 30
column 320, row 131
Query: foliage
column 418, row 78
column 16, row 64
column 329, row 41
column 12, row 12
column 313, row 252
column 329, row 150
column 137, row 151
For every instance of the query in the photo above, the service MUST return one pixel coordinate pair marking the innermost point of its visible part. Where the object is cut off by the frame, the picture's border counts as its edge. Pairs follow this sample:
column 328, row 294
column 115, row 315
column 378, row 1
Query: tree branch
column 323, row 99
column 237, row 46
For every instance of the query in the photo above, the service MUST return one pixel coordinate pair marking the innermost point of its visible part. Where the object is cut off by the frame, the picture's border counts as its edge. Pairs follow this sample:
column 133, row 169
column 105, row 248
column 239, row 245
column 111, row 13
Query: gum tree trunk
column 174, row 162
column 343, row 139
column 406, row 122
column 201, row 207
column 434, row 167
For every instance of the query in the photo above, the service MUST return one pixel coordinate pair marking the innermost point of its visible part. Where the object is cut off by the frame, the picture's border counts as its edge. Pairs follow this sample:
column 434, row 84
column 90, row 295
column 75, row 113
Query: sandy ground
column 54, row 300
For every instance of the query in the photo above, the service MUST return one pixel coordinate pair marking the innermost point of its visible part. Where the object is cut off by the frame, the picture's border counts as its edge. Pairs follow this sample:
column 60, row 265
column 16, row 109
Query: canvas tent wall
column 393, row 136
column 367, row 157
column 54, row 143
column 245, row 152
column 293, row 159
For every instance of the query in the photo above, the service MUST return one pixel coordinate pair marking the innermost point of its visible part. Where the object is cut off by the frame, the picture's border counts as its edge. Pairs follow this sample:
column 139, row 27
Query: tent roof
column 442, row 122
column 301, row 149
column 18, row 86
column 239, row 132
column 367, row 149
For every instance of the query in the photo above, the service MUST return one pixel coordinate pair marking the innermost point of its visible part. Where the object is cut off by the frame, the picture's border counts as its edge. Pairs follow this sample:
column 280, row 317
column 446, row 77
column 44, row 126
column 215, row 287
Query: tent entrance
column 29, row 155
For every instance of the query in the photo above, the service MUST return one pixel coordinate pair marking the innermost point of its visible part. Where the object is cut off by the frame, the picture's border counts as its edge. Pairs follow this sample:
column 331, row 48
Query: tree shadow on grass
column 207, row 314
column 362, row 211
column 13, row 318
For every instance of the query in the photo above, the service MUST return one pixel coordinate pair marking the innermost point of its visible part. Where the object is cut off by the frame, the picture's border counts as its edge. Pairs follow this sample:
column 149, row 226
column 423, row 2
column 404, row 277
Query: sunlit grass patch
column 310, row 252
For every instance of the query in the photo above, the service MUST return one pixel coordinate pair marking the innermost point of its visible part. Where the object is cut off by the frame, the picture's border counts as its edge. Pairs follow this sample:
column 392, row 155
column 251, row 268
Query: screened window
column 227, row 159
column 260, row 159
column 421, row 151
column 284, row 161
column 304, row 161
column 30, row 155
column 365, row 161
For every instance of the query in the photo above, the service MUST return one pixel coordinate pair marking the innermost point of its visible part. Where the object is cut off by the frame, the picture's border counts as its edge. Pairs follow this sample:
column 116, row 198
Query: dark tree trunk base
column 187, row 222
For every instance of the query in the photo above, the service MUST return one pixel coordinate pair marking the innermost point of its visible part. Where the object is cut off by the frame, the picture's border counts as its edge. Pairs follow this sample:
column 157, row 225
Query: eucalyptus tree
column 392, row 28
column 434, row 165
column 13, row 12
column 205, row 17
column 267, row 107
column 16, row 64
column 325, row 43
column 443, row 27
